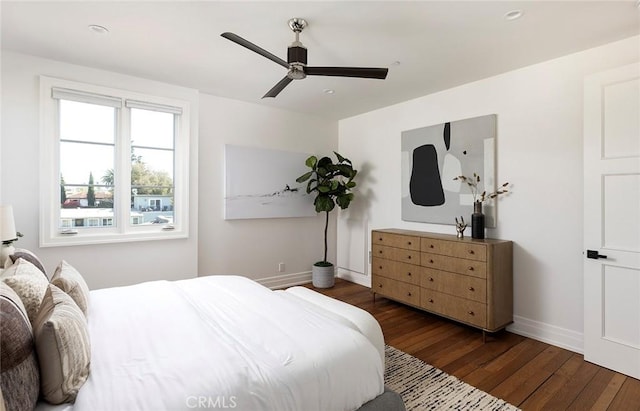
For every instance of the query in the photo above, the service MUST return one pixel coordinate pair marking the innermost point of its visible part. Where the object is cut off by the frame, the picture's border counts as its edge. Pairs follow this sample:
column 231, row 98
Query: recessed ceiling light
column 328, row 91
column 98, row 29
column 513, row 14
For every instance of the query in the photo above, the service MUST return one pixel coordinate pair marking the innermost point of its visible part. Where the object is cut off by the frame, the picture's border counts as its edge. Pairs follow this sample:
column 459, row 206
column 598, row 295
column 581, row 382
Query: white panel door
column 612, row 219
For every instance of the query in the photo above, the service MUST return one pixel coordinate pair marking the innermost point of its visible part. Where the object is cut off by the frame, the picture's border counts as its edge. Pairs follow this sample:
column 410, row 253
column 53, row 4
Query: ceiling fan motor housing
column 297, row 54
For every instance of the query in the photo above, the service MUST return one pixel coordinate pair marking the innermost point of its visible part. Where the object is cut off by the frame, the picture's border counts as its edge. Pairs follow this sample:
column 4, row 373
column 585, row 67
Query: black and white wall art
column 261, row 183
column 433, row 156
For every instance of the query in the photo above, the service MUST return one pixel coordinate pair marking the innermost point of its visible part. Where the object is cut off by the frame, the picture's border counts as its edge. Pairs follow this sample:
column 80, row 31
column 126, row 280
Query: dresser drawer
column 460, row 309
column 396, row 270
column 471, row 288
column 397, row 290
column 454, row 265
column 396, row 254
column 457, row 249
column 396, row 240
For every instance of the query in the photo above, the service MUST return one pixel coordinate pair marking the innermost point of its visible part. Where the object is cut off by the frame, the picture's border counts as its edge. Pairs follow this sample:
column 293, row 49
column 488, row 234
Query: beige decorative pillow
column 29, row 283
column 29, row 256
column 62, row 343
column 19, row 374
column 69, row 280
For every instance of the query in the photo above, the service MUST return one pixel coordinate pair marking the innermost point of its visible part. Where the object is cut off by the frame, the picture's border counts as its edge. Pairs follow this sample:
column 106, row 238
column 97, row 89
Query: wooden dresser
column 466, row 280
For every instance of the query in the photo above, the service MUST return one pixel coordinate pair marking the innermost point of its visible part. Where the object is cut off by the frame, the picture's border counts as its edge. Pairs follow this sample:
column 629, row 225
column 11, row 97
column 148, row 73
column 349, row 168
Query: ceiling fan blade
column 363, row 72
column 257, row 49
column 278, row 87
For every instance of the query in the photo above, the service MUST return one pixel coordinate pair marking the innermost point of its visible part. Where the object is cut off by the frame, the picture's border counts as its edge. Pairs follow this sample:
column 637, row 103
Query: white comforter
column 222, row 342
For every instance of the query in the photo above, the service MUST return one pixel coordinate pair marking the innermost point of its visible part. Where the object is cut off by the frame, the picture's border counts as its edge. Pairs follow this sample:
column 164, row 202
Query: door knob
column 594, row 254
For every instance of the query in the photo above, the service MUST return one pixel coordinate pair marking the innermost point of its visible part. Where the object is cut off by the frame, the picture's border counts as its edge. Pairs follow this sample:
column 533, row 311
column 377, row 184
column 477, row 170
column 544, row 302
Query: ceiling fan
column 297, row 61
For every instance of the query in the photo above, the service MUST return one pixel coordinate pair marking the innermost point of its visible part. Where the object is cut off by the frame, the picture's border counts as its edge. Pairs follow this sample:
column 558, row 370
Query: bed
column 226, row 342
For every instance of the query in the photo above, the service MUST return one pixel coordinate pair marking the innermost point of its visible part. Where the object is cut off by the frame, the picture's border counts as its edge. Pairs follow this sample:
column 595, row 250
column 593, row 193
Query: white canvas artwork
column 261, row 183
column 433, row 156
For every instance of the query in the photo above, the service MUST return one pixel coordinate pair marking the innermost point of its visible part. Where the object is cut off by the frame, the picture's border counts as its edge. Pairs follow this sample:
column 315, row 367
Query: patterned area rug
column 424, row 387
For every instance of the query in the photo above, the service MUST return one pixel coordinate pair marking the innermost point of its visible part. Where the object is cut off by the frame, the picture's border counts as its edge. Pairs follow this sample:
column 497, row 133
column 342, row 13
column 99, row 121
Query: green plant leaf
column 311, row 162
column 324, row 203
column 322, row 172
column 344, row 200
column 304, row 177
column 324, row 161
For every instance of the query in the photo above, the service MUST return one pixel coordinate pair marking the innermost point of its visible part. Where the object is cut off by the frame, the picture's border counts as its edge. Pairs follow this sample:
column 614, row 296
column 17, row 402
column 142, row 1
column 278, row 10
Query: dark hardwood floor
column 527, row 373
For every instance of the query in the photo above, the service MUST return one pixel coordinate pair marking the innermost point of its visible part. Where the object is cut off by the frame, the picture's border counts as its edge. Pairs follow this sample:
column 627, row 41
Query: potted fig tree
column 332, row 184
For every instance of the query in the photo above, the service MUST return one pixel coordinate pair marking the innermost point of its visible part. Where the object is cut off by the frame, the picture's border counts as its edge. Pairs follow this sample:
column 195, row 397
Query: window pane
column 86, row 206
column 152, row 128
column 152, row 167
column 149, row 208
column 79, row 160
column 87, row 149
column 87, row 122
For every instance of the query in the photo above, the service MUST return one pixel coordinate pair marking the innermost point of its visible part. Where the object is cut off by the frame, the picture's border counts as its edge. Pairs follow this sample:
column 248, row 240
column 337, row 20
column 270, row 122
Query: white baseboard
column 286, row 280
column 550, row 334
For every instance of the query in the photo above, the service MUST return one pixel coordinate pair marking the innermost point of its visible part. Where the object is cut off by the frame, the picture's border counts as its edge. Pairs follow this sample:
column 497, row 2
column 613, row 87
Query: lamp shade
column 7, row 224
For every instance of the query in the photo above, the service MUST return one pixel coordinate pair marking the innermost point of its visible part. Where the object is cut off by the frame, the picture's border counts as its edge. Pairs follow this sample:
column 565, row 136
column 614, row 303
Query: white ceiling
column 438, row 44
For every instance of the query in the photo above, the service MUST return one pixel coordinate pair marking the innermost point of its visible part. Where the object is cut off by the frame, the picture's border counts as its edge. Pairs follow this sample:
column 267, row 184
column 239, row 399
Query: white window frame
column 51, row 233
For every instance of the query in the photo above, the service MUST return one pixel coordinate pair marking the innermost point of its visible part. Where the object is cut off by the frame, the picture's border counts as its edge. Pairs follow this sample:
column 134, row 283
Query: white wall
column 101, row 265
column 255, row 247
column 539, row 150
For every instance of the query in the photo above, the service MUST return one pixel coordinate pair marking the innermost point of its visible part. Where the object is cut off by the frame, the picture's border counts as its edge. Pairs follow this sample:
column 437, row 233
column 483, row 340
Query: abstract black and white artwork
column 433, row 156
column 261, row 183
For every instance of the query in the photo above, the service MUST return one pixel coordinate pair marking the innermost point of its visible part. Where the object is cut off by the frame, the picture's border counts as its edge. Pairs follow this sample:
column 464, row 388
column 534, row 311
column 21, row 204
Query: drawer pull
column 408, row 257
column 409, row 274
column 471, row 313
column 470, row 268
column 409, row 294
column 430, row 300
column 431, row 279
column 431, row 261
column 471, row 252
column 408, row 242
column 430, row 245
column 471, row 289
column 380, row 239
column 379, row 285
column 380, row 267
column 380, row 252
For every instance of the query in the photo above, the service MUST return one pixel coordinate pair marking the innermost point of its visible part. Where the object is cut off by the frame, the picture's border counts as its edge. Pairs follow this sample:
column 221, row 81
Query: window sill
column 85, row 238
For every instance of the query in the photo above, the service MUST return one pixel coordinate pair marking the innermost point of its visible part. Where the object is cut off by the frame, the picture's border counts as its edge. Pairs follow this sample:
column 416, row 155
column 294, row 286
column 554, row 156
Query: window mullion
column 123, row 159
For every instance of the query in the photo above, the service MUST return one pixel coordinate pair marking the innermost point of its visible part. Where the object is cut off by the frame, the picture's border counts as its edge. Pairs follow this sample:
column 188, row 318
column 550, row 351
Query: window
column 114, row 164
